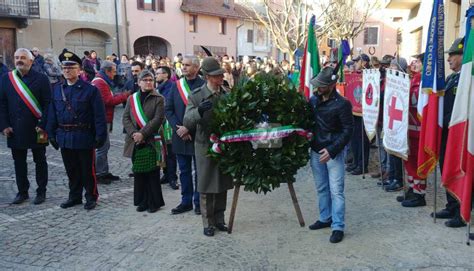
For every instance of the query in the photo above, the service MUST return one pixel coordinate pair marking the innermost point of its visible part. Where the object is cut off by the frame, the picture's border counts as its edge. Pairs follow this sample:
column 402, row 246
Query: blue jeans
column 101, row 158
column 189, row 192
column 329, row 180
column 382, row 152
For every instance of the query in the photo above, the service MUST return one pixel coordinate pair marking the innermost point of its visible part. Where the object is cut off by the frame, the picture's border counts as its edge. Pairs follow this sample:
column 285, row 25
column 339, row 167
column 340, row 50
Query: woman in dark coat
column 142, row 119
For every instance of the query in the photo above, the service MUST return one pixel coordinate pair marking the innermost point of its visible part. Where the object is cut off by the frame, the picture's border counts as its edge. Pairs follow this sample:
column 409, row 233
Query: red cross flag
column 396, row 101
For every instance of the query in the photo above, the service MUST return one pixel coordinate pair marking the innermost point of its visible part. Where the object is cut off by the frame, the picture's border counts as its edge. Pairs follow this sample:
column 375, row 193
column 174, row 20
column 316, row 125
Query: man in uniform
column 213, row 184
column 455, row 52
column 24, row 99
column 183, row 137
column 76, row 124
column 334, row 125
column 103, row 81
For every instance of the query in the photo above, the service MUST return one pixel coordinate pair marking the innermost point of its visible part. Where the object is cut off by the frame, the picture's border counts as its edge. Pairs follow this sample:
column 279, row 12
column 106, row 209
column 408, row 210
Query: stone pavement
column 380, row 234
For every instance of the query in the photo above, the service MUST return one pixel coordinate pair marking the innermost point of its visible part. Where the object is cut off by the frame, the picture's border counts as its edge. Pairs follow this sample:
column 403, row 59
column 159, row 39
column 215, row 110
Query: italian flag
column 458, row 175
column 310, row 66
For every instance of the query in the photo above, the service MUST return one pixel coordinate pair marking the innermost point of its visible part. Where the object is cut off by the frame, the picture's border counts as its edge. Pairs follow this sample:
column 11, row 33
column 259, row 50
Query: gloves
column 99, row 143
column 204, row 106
column 54, row 143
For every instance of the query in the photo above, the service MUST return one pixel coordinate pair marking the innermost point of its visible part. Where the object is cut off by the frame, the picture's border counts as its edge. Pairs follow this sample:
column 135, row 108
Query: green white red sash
column 25, row 94
column 141, row 119
column 184, row 90
column 255, row 135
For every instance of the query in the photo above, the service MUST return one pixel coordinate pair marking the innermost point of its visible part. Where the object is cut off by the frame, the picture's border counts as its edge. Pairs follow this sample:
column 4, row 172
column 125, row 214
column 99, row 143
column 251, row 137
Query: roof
column 212, row 8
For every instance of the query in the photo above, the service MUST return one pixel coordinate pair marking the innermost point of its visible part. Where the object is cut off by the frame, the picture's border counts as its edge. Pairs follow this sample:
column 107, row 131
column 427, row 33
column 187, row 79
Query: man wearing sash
column 183, row 137
column 76, row 124
column 103, row 81
column 213, row 184
column 24, row 99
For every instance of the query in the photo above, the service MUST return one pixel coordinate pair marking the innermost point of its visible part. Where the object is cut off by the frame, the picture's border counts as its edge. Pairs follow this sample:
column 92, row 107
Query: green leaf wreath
column 265, row 98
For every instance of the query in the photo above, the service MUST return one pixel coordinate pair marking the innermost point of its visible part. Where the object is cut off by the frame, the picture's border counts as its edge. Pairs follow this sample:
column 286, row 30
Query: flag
column 458, row 170
column 343, row 52
column 310, row 66
column 430, row 101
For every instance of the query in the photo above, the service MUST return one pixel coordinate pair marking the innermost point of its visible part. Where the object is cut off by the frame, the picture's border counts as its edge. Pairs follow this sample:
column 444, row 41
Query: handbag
column 144, row 158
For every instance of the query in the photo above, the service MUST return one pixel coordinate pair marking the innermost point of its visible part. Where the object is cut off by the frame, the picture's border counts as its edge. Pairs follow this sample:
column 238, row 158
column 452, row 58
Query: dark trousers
column 170, row 170
column 80, row 169
column 452, row 204
column 395, row 171
column 21, row 169
column 147, row 190
column 189, row 192
column 213, row 206
column 356, row 144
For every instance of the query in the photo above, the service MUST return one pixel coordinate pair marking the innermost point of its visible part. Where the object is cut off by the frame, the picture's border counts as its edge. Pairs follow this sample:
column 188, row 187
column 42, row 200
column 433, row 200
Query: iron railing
column 20, row 8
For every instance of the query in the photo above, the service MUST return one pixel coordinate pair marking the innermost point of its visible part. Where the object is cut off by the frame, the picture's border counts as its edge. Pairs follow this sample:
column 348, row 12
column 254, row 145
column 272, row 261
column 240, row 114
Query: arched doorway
column 150, row 44
column 86, row 39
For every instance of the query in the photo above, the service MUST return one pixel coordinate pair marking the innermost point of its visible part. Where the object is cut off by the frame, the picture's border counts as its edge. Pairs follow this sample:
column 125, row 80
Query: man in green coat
column 213, row 184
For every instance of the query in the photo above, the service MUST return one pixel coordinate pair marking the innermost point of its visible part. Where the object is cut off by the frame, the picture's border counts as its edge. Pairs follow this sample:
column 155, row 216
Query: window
column 161, row 5
column 250, row 35
column 371, row 35
column 193, row 23
column 146, row 5
column 331, row 43
column 222, row 26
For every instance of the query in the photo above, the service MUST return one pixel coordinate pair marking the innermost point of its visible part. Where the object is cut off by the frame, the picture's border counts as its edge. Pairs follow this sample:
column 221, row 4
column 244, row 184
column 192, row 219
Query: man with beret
column 183, row 136
column 333, row 129
column 24, row 98
column 76, row 124
column 213, row 184
column 455, row 52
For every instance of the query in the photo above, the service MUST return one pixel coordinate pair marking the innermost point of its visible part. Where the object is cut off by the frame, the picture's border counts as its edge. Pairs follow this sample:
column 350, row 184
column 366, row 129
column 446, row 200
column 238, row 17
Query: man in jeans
column 333, row 129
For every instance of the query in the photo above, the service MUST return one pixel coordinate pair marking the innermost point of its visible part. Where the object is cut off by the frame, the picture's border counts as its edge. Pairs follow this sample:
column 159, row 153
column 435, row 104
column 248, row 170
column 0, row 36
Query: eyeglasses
column 147, row 80
column 69, row 68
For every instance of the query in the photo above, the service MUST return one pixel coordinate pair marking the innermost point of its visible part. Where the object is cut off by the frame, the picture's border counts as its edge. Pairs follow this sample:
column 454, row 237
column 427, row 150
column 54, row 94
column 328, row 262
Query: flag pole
column 363, row 149
column 468, row 234
column 435, row 194
column 377, row 137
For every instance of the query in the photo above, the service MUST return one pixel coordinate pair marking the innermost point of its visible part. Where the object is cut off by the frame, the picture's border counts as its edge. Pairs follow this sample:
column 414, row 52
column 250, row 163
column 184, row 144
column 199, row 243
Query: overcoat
column 154, row 109
column 211, row 179
column 16, row 114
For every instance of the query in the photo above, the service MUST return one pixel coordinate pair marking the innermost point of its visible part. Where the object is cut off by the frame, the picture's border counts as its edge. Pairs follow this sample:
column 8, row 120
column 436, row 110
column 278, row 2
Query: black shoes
column 174, row 185
column 209, row 231
column 69, row 203
column 40, row 198
column 90, row 205
column 336, row 236
column 103, row 180
column 358, row 171
column 163, row 180
column 351, row 167
column 455, row 222
column 181, row 209
column 111, row 177
column 444, row 214
column 320, row 225
column 416, row 200
column 221, row 227
column 394, row 186
column 197, row 210
column 152, row 210
column 20, row 198
column 407, row 196
column 384, row 183
column 141, row 208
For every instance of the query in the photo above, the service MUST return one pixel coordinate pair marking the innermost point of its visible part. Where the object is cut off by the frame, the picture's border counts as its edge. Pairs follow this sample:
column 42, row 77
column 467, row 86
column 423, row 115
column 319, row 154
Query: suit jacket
column 175, row 109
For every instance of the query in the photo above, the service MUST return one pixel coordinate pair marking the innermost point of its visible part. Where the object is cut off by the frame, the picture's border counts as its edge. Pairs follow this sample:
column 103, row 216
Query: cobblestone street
column 380, row 234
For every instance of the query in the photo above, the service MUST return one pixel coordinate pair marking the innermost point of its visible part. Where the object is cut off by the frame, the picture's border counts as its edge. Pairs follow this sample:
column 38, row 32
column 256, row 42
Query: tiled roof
column 212, row 8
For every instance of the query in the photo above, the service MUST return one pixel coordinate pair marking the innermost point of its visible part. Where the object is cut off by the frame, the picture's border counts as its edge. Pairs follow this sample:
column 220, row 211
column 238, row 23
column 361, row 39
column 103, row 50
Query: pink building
column 167, row 28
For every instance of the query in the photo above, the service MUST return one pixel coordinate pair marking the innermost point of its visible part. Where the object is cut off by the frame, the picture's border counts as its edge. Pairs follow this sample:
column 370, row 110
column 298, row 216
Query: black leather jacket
column 334, row 123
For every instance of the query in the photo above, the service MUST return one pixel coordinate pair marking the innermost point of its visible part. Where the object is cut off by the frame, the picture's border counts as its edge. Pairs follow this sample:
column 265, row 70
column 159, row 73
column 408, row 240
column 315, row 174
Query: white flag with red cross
column 395, row 113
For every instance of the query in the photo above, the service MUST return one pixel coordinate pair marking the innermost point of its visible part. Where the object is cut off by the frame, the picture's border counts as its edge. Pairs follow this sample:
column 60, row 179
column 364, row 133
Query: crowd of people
column 69, row 101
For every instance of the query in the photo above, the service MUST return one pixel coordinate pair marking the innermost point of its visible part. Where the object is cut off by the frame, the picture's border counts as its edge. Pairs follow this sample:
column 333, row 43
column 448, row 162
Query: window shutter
column 366, row 35
column 140, row 4
column 249, row 35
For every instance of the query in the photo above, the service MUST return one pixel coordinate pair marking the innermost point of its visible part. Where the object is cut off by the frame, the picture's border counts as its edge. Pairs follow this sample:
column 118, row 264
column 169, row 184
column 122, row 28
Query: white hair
column 26, row 51
column 107, row 65
column 194, row 60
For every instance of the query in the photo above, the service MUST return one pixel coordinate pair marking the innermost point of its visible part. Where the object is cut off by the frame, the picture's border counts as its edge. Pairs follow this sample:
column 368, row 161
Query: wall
column 247, row 48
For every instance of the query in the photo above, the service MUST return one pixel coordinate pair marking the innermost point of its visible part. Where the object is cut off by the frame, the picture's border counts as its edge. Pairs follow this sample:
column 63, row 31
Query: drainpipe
column 117, row 30
column 237, row 41
column 50, row 25
column 127, row 33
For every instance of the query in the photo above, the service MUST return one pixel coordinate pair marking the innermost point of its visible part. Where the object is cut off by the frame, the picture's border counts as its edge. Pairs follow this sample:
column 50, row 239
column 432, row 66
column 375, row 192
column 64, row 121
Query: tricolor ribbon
column 255, row 135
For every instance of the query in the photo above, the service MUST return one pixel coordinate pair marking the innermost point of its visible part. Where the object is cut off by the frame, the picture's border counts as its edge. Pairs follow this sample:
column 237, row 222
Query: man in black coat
column 183, row 138
column 24, row 99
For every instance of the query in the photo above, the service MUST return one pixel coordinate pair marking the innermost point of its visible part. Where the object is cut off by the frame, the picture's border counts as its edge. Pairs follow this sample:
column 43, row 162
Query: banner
column 353, row 91
column 371, row 101
column 395, row 113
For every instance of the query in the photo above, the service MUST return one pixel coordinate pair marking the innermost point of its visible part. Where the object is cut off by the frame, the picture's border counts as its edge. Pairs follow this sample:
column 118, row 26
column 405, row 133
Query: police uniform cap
column 68, row 58
column 327, row 76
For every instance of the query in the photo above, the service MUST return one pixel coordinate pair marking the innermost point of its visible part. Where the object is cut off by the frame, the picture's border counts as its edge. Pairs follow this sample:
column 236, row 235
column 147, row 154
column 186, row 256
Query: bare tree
column 285, row 20
column 345, row 19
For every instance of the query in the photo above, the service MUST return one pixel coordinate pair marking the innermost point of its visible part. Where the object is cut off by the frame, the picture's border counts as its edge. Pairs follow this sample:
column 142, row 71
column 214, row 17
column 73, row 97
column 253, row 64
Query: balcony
column 401, row 4
column 22, row 9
